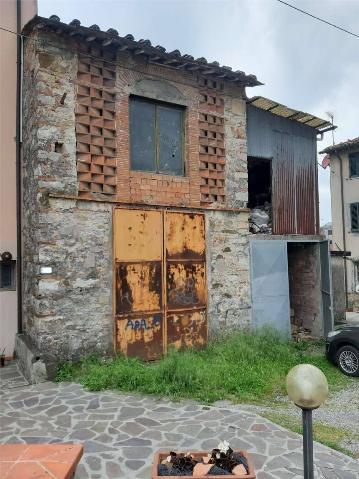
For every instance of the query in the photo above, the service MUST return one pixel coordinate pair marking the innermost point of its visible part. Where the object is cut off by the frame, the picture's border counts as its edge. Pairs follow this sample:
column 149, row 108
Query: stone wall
column 236, row 151
column 227, row 247
column 69, row 313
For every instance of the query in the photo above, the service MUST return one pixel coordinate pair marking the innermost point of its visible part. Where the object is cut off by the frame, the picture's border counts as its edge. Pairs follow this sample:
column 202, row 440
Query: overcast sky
column 304, row 64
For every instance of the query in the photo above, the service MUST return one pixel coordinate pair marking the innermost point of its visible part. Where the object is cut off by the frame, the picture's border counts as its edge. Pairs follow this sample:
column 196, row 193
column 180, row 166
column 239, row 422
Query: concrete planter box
column 160, row 456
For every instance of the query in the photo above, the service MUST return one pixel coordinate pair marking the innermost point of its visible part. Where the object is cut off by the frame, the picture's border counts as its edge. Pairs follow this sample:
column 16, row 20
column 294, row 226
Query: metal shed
column 288, row 139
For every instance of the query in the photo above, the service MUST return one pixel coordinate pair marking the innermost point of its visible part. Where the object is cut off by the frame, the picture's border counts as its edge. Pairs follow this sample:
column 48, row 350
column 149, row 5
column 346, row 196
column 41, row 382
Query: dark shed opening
column 259, row 182
column 304, row 288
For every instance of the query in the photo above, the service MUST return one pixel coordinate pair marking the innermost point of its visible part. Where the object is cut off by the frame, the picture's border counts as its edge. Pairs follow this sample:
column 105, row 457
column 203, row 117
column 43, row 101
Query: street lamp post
column 307, row 387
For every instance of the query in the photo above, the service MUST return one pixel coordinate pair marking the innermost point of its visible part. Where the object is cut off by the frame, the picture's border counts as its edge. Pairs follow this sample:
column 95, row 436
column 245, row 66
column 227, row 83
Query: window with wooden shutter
column 354, row 164
column 354, row 216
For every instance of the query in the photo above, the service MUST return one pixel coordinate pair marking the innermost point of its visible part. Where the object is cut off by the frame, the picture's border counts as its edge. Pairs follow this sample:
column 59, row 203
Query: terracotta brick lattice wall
column 95, row 125
column 211, row 142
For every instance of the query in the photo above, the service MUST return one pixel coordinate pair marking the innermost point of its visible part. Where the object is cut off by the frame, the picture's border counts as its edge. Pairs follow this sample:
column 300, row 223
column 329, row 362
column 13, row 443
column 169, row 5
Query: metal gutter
column 18, row 167
column 343, row 228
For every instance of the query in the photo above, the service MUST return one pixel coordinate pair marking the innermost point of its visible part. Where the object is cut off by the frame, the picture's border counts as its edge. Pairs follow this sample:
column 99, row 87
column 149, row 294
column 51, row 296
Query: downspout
column 18, row 165
column 343, row 228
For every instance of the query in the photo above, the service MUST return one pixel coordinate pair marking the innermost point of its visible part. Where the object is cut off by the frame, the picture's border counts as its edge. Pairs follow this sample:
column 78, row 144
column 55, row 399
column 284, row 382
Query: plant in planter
column 2, row 358
column 222, row 461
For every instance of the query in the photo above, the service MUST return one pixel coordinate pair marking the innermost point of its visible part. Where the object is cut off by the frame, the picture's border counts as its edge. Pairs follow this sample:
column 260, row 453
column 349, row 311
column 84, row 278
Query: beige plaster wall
column 8, row 47
column 350, row 195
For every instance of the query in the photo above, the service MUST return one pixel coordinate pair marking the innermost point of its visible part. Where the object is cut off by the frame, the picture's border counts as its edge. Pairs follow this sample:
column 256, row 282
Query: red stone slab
column 40, row 461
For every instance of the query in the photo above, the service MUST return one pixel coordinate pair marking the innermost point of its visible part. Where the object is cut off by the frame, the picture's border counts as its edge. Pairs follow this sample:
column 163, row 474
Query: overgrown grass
column 328, row 435
column 241, row 367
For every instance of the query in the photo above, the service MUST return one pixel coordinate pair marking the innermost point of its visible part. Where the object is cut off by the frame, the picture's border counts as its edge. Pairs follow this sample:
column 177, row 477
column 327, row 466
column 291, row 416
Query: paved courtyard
column 121, row 432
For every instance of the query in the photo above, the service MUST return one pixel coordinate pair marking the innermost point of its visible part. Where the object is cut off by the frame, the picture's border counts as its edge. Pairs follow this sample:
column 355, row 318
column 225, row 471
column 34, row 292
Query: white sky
column 304, row 64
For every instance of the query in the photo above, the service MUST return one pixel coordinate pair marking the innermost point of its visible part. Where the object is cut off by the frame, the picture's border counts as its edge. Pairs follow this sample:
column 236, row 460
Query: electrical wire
column 318, row 18
column 10, row 31
column 280, row 1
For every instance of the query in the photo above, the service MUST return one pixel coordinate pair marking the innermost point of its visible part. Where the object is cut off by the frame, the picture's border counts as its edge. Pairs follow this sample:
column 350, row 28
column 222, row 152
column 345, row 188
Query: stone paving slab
column 11, row 377
column 120, row 433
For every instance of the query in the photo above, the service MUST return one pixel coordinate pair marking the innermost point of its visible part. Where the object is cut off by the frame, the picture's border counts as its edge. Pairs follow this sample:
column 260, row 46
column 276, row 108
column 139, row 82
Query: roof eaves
column 155, row 54
column 287, row 113
column 344, row 145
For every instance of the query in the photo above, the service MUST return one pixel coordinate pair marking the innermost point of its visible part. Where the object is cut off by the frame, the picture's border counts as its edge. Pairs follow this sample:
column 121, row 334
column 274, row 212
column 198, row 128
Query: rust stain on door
column 186, row 288
column 159, row 300
column 141, row 336
column 138, row 235
column 186, row 285
column 187, row 329
column 138, row 250
column 185, row 236
column 138, row 287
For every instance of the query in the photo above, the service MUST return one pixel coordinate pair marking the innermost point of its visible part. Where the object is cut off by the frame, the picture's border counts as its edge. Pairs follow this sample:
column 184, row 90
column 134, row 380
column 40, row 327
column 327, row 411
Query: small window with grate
column 354, row 217
column 7, row 275
column 156, row 137
column 354, row 165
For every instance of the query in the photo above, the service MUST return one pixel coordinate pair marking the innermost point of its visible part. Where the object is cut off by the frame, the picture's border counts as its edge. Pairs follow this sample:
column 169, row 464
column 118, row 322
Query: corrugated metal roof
column 344, row 145
column 155, row 54
column 290, row 113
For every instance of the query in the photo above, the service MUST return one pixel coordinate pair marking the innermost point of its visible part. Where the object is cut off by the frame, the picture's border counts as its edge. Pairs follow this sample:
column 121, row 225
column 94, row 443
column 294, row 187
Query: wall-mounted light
column 45, row 269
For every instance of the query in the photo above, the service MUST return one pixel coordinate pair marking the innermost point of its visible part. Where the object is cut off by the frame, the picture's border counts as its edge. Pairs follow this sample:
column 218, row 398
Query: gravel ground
column 341, row 410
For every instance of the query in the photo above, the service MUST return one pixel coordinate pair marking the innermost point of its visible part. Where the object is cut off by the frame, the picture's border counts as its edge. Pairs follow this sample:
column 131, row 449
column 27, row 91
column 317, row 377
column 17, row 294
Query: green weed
column 242, row 367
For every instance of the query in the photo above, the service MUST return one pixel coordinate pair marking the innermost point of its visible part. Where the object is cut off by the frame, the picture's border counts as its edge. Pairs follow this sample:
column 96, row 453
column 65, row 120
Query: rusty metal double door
column 160, row 281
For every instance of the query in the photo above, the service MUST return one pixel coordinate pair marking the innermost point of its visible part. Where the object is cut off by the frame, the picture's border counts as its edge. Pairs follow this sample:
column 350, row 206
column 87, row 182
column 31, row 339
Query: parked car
column 342, row 349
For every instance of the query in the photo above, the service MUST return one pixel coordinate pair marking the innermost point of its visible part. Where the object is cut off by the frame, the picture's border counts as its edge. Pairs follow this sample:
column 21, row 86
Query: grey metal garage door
column 270, row 285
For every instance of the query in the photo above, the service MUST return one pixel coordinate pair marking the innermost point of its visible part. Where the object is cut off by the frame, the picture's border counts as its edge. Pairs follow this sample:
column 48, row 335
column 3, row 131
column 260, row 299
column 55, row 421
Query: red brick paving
column 40, row 461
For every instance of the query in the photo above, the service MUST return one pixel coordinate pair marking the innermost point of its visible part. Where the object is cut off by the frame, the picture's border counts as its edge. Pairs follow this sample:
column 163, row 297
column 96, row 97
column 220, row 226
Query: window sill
column 159, row 176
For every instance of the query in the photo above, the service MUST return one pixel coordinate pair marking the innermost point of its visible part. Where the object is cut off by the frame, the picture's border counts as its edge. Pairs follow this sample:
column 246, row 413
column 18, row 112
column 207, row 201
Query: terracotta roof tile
column 157, row 55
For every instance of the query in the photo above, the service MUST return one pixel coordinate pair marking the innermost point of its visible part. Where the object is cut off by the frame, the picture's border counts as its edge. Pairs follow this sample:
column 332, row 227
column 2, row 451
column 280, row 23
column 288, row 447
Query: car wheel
column 348, row 360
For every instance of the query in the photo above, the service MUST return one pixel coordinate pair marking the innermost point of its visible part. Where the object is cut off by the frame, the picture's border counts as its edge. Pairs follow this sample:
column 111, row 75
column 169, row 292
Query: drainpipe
column 18, row 166
column 343, row 228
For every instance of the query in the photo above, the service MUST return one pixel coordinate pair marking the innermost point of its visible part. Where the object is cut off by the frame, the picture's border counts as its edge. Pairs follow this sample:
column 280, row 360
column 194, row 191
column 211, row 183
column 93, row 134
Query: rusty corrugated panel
column 186, row 285
column 187, row 329
column 305, row 187
column 138, row 287
column 185, row 236
column 141, row 336
column 283, row 187
column 291, row 147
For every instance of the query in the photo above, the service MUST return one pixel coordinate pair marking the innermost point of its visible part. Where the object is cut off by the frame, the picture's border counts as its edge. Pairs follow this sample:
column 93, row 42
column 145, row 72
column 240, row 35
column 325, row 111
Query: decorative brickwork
column 211, row 142
column 146, row 187
column 95, row 126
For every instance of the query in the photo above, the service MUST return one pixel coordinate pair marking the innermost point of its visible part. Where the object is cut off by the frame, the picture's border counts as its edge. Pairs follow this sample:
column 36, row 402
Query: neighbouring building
column 14, row 15
column 140, row 171
column 327, row 231
column 343, row 160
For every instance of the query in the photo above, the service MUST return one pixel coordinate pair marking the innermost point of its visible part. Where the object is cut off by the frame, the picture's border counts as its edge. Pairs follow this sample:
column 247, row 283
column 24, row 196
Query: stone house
column 138, row 167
